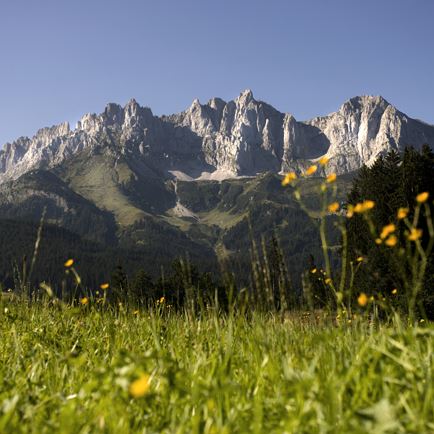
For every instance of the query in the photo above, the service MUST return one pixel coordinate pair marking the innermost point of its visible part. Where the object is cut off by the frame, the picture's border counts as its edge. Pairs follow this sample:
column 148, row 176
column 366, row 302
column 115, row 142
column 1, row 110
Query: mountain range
column 221, row 139
column 195, row 181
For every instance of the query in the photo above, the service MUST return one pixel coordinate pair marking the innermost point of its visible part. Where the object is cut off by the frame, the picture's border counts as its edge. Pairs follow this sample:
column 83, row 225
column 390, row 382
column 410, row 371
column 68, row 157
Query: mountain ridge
column 219, row 139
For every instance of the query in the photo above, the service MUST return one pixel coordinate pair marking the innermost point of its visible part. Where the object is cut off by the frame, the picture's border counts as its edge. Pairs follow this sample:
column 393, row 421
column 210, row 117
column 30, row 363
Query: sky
column 60, row 59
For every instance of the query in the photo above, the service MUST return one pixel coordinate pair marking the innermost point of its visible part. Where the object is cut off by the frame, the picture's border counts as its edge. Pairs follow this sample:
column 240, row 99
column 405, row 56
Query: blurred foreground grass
column 71, row 370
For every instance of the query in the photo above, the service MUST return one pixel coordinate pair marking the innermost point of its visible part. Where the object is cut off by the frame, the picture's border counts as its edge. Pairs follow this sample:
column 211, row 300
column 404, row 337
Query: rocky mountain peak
column 114, row 114
column 195, row 104
column 132, row 106
column 48, row 134
column 245, row 97
column 364, row 103
column 216, row 103
column 239, row 137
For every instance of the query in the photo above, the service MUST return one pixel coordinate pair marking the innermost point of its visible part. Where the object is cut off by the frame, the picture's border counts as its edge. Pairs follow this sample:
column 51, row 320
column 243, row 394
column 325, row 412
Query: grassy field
column 364, row 364
column 85, row 369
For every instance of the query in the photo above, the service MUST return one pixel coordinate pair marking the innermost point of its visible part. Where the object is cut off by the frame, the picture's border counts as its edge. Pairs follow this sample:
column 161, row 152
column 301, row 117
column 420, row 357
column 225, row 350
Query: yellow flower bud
column 362, row 299
column 69, row 263
column 333, row 207
column 391, row 241
column 324, row 160
column 331, row 178
column 415, row 234
column 140, row 387
column 402, row 213
column 387, row 230
column 289, row 177
column 311, row 170
column 422, row 197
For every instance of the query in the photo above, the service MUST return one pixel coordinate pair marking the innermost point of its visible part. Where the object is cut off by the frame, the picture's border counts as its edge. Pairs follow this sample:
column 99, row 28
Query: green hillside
column 108, row 199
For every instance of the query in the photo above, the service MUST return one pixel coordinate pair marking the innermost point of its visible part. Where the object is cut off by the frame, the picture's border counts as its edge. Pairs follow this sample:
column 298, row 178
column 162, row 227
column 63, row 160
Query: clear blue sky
column 60, row 59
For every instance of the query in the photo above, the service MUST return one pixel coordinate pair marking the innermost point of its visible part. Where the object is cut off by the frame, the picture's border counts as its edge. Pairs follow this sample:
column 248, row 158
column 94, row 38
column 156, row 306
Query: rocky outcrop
column 224, row 139
column 366, row 127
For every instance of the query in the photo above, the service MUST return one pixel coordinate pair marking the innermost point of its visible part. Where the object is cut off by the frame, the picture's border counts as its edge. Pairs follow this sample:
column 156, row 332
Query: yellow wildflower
column 391, row 241
column 333, row 207
column 311, row 170
column 104, row 286
column 331, row 178
column 358, row 208
column 350, row 211
column 313, row 271
column 394, row 291
column 289, row 177
column 378, row 241
column 415, row 234
column 364, row 206
column 69, row 263
column 422, row 197
column 359, row 259
column 328, row 281
column 84, row 300
column 387, row 230
column 362, row 299
column 402, row 213
column 368, row 204
column 140, row 387
column 324, row 160
column 162, row 299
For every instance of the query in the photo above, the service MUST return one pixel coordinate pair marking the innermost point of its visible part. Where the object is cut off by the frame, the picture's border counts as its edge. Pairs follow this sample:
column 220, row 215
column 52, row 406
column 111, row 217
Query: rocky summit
column 220, row 140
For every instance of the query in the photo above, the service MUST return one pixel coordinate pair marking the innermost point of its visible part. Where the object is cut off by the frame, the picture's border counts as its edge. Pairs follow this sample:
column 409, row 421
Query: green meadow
column 90, row 369
column 351, row 353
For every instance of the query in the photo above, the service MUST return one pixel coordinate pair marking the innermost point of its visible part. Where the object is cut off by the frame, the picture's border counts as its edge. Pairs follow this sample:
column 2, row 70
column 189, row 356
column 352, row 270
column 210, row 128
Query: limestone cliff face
column 243, row 136
column 366, row 127
column 239, row 137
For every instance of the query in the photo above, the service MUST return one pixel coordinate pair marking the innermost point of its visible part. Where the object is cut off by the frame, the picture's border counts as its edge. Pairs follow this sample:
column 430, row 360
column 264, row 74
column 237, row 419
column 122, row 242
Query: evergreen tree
column 284, row 298
column 392, row 182
column 119, row 283
column 142, row 288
